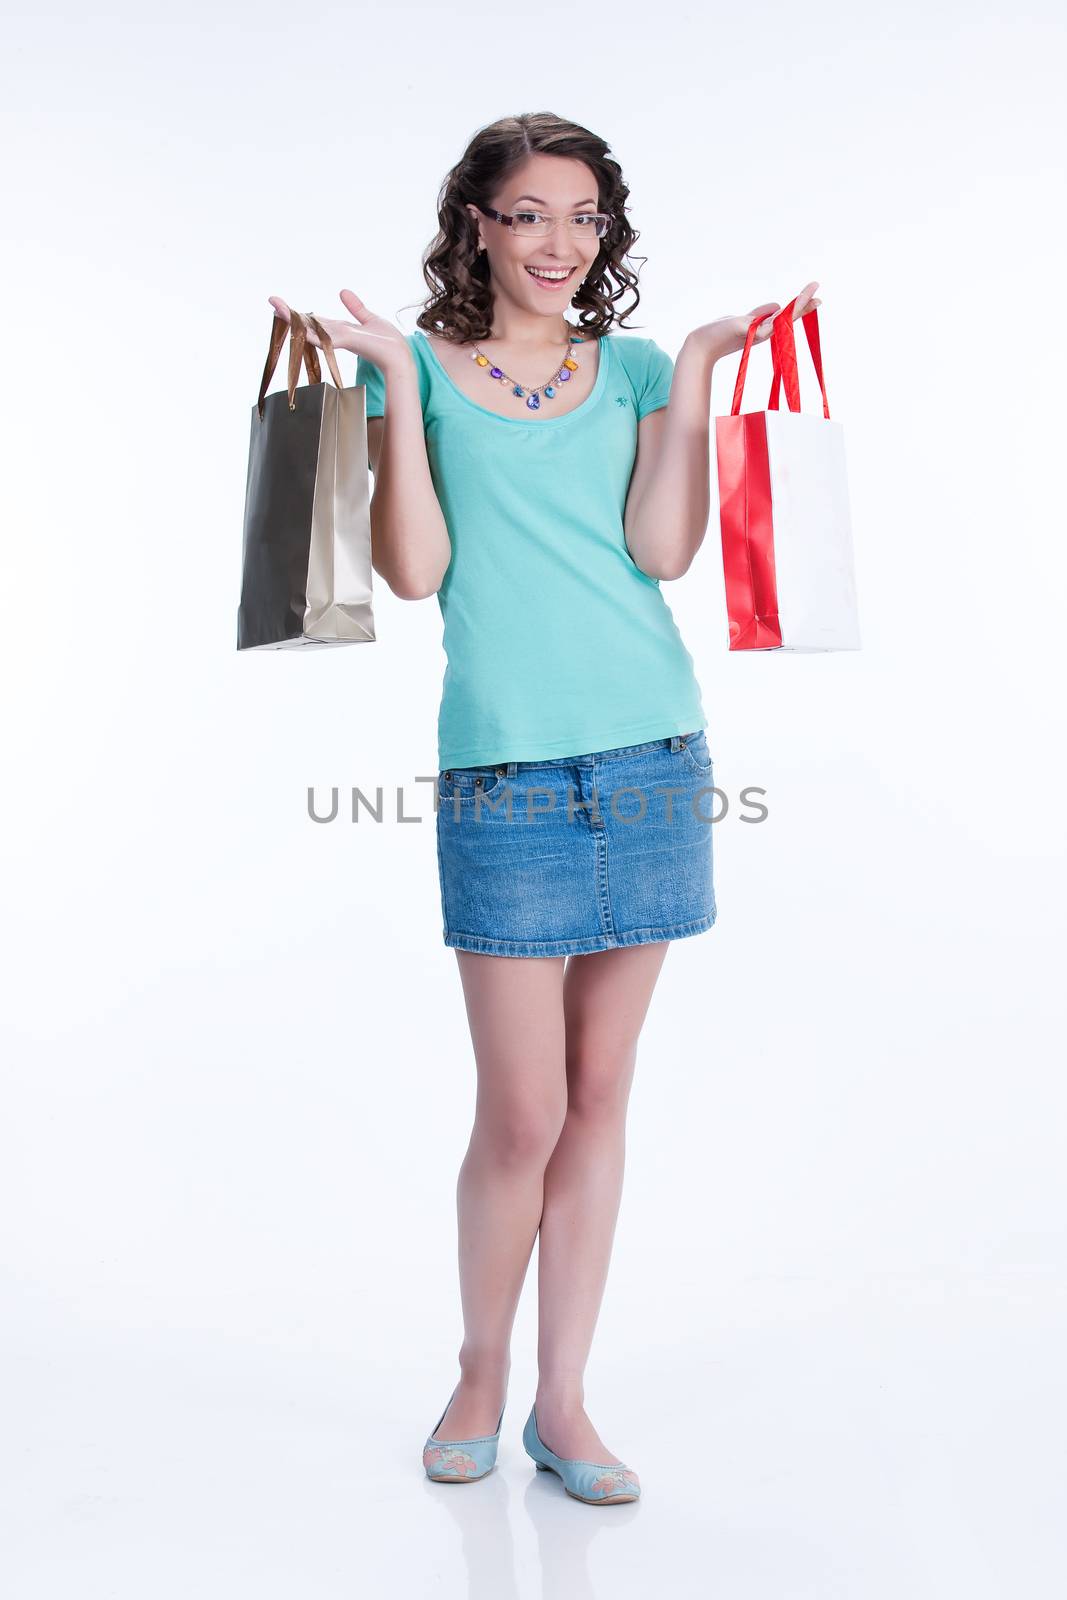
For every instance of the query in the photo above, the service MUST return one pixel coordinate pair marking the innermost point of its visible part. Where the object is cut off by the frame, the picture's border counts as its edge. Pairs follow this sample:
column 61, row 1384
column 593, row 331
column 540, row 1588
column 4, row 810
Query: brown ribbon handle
column 299, row 348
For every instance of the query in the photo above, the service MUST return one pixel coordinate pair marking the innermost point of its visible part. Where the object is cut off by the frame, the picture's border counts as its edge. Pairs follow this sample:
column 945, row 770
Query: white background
column 238, row 1081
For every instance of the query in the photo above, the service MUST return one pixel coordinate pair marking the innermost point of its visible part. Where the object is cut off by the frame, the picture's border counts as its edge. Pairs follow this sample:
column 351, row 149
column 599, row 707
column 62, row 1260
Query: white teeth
column 537, row 273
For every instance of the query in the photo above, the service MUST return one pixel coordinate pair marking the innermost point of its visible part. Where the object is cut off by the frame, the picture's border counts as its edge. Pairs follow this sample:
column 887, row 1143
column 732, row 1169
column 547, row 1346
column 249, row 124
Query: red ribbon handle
column 784, row 358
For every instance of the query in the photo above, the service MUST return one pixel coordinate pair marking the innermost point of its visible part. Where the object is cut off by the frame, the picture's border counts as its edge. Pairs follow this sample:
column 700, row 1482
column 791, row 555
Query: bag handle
column 299, row 348
column 784, row 359
column 278, row 331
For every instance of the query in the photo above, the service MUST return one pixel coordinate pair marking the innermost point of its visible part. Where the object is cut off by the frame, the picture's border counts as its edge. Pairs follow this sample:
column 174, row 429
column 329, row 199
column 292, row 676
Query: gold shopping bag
column 306, row 563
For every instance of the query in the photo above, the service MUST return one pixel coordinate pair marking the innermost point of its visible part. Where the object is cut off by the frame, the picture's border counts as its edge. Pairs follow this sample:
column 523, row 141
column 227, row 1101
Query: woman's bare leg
column 605, row 998
column 515, row 1011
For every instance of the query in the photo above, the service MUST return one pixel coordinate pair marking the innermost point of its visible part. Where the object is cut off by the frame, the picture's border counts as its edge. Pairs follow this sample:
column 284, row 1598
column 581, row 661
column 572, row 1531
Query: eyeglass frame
column 502, row 216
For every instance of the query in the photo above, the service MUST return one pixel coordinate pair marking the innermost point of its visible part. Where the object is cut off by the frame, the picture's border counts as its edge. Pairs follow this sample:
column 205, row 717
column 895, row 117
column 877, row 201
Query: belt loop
column 676, row 742
column 512, row 768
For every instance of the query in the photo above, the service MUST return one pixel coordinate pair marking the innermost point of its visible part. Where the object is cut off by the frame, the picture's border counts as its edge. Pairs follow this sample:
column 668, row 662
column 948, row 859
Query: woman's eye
column 585, row 218
column 527, row 216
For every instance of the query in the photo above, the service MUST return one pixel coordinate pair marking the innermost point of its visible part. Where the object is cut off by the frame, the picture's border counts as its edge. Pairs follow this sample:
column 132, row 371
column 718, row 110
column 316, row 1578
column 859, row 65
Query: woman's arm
column 668, row 501
column 410, row 547
column 669, row 498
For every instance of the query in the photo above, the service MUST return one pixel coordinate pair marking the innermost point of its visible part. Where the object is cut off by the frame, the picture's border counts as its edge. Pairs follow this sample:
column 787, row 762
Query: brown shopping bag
column 306, row 561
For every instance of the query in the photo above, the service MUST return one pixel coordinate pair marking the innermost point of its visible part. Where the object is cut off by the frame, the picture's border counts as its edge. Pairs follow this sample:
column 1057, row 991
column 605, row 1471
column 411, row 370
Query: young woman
column 542, row 476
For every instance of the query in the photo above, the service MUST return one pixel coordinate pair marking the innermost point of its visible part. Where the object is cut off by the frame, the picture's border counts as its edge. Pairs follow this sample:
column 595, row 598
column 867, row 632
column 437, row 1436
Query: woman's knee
column 599, row 1078
column 521, row 1131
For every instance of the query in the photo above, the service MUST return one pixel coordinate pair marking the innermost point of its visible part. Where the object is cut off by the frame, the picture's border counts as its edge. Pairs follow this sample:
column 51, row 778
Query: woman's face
column 556, row 186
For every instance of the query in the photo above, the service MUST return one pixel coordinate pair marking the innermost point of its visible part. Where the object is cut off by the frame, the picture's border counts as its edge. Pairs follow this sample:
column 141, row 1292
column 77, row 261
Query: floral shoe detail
column 445, row 1461
column 596, row 1482
column 617, row 1481
column 460, row 1460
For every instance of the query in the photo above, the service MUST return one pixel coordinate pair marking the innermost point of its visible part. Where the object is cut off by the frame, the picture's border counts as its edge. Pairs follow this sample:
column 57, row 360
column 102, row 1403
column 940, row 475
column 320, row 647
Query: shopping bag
column 784, row 511
column 306, row 559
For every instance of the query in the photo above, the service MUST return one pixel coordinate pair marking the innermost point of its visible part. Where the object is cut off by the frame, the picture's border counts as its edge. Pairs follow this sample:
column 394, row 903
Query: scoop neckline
column 523, row 422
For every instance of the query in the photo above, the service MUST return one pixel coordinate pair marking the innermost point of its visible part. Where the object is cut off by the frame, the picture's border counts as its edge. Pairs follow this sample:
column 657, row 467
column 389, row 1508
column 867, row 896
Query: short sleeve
column 374, row 379
column 367, row 373
column 656, row 388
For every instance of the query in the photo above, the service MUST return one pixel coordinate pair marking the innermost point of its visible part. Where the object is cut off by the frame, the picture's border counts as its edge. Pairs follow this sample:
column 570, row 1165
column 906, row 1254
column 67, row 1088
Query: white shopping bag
column 784, row 512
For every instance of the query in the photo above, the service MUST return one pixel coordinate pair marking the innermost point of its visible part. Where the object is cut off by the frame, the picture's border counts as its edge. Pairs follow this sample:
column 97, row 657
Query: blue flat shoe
column 597, row 1483
column 460, row 1460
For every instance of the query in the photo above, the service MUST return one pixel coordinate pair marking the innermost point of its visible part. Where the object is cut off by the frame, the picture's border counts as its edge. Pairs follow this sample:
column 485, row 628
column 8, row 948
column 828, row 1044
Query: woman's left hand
column 728, row 334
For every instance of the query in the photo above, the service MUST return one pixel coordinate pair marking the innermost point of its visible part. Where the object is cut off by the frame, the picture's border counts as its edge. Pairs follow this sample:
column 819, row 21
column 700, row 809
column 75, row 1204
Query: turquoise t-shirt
column 556, row 642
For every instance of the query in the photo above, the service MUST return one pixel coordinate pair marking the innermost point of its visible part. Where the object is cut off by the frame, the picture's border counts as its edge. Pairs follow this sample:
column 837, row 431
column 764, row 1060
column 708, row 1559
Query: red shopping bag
column 784, row 511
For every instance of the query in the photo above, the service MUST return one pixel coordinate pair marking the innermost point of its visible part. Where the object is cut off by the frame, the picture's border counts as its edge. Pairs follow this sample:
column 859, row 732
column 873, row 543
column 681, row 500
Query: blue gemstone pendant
column 534, row 401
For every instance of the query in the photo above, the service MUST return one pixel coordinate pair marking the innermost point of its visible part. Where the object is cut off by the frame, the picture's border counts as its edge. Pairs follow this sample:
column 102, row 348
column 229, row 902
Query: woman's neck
column 516, row 328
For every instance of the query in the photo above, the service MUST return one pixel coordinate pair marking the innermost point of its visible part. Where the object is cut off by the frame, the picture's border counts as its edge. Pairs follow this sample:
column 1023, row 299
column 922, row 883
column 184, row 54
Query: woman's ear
column 475, row 216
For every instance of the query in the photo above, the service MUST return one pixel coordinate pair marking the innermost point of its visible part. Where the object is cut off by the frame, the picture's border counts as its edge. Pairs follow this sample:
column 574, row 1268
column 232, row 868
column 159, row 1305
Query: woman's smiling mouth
column 551, row 277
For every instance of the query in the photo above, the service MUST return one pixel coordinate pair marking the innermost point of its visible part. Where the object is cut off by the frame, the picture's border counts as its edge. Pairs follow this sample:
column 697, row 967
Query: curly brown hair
column 460, row 306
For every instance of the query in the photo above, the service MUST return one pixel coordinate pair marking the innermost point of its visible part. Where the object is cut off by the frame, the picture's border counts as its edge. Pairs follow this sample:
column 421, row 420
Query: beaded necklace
column 532, row 397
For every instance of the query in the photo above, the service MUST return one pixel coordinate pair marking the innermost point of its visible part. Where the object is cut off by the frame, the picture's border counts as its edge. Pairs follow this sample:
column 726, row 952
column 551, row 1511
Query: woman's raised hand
column 729, row 333
column 368, row 335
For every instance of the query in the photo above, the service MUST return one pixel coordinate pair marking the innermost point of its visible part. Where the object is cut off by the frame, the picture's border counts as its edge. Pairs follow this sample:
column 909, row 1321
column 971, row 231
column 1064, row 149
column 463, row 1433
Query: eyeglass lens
column 587, row 225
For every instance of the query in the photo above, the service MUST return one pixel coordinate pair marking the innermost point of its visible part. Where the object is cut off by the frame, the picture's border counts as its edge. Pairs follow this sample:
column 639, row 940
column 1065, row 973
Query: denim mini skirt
column 581, row 853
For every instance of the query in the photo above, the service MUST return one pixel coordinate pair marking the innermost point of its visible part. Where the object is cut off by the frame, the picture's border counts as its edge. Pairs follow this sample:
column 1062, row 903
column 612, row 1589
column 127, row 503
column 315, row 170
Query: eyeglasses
column 534, row 225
